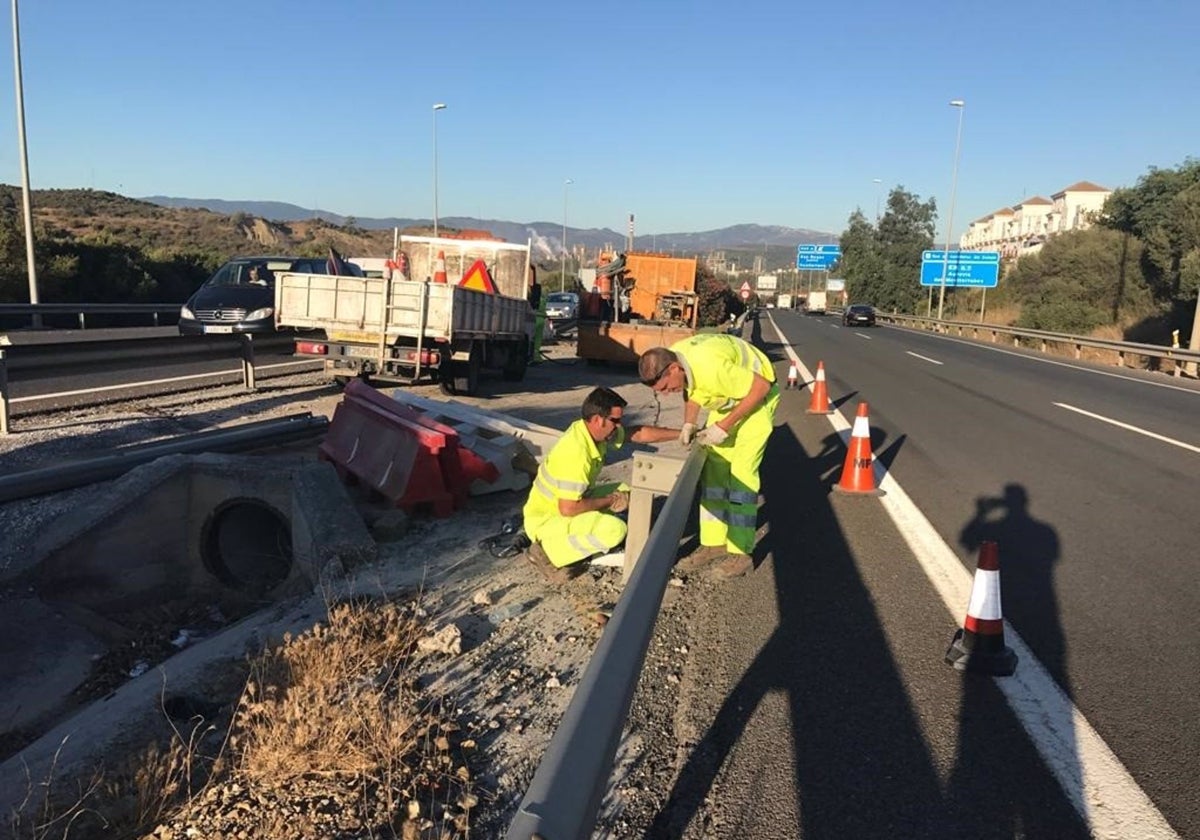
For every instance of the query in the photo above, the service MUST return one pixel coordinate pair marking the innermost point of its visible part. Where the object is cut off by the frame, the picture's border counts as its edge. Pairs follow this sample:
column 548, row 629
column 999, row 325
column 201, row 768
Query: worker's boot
column 734, row 565
column 700, row 559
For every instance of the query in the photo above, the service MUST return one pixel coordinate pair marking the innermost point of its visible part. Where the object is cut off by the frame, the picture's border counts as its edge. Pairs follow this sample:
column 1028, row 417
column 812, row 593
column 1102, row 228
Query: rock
column 482, row 598
column 447, row 640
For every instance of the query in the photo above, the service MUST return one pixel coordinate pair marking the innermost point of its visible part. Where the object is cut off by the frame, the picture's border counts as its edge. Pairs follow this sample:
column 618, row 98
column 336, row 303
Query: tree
column 717, row 301
column 1163, row 211
column 882, row 263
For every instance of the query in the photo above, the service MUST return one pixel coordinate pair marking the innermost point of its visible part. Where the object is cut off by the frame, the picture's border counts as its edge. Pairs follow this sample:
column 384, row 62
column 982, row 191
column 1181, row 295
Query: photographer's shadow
column 1010, row 784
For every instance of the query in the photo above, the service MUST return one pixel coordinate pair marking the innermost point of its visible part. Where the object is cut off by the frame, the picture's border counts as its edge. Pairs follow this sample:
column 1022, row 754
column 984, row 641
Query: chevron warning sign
column 478, row 278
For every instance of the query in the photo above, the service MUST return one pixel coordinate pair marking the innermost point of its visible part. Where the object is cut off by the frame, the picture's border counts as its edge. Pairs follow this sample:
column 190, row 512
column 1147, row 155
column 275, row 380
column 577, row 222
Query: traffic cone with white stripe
column 820, row 404
column 439, row 268
column 793, row 376
column 979, row 646
column 858, row 473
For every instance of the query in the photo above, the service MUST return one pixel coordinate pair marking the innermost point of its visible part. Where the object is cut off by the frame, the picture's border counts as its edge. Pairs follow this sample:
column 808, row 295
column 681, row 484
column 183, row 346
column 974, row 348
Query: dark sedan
column 858, row 315
column 240, row 296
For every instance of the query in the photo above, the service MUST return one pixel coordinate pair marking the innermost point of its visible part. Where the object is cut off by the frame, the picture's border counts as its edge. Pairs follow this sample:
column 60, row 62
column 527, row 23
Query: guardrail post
column 3, row 386
column 248, row 361
column 652, row 475
column 82, row 321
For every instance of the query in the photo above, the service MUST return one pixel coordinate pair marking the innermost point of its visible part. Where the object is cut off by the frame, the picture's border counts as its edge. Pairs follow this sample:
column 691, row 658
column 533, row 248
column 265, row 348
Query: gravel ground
column 524, row 641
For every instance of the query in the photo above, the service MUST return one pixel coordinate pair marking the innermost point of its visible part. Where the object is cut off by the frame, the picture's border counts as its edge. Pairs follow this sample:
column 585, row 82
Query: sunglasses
column 614, row 420
column 650, row 383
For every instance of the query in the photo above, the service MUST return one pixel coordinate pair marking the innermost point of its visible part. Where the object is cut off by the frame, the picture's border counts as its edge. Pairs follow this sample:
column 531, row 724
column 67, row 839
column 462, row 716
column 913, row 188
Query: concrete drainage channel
column 194, row 543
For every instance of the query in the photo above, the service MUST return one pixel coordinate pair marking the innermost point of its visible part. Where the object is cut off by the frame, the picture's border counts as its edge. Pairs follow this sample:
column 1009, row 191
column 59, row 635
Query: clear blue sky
column 693, row 116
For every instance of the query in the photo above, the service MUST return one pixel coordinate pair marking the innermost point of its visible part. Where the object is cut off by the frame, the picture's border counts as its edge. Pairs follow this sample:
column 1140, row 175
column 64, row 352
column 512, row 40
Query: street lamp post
column 440, row 106
column 878, row 195
column 562, row 282
column 27, row 208
column 960, row 105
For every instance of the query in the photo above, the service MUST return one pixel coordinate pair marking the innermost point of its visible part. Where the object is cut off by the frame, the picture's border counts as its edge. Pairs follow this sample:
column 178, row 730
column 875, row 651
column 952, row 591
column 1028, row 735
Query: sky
column 690, row 115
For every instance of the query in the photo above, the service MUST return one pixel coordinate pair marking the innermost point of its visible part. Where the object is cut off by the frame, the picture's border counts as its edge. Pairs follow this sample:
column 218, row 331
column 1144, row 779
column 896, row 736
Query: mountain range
column 547, row 236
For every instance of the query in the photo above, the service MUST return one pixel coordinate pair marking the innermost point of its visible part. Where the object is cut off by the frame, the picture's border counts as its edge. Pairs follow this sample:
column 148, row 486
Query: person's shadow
column 997, row 772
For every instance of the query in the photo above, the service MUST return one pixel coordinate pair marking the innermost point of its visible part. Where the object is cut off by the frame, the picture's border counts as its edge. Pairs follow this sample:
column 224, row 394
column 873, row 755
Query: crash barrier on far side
column 30, row 352
column 564, row 797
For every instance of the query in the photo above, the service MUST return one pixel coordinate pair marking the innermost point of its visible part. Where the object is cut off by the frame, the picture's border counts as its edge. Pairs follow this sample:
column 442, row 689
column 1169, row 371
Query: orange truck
column 640, row 301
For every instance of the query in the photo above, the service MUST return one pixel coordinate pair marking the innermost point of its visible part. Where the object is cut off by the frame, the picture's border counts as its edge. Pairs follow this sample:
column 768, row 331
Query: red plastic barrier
column 390, row 454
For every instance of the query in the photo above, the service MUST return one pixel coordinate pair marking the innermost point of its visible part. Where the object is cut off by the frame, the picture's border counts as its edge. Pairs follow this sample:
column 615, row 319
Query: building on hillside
column 1024, row 227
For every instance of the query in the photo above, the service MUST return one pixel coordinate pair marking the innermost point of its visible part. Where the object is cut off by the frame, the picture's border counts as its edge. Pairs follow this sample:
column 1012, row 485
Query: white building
column 1022, row 228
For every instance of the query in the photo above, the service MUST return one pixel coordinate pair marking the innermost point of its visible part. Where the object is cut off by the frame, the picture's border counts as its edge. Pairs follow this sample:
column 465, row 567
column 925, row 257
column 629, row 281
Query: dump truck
column 641, row 301
column 443, row 310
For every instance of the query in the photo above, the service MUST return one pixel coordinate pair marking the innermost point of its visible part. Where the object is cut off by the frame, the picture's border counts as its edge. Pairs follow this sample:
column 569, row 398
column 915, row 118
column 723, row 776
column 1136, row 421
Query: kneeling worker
column 568, row 517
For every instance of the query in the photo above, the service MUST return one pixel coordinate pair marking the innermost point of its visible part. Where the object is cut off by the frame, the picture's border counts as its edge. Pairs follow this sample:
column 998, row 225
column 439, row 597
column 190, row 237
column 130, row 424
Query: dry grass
column 330, row 737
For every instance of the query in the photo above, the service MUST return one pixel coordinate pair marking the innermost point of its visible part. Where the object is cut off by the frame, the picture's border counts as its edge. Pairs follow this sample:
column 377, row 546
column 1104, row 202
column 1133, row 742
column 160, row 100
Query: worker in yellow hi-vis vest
column 568, row 516
column 734, row 382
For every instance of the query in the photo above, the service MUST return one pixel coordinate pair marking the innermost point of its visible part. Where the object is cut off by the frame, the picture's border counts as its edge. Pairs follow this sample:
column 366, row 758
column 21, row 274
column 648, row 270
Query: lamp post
column 441, row 106
column 27, row 209
column 562, row 282
column 960, row 105
column 878, row 182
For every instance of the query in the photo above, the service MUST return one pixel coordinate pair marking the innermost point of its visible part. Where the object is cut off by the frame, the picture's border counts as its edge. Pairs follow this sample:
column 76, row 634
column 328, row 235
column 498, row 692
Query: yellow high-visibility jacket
column 720, row 369
column 567, row 473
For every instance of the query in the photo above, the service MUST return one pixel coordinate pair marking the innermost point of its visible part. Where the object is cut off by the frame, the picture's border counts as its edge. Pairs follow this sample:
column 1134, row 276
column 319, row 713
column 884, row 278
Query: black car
column 240, row 296
column 859, row 315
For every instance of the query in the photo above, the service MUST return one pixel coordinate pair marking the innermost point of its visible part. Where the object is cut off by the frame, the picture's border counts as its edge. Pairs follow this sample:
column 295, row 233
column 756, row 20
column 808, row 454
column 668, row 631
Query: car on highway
column 562, row 305
column 858, row 315
column 240, row 296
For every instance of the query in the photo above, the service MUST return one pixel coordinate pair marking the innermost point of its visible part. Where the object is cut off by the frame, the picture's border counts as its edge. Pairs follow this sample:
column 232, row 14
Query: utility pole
column 28, row 207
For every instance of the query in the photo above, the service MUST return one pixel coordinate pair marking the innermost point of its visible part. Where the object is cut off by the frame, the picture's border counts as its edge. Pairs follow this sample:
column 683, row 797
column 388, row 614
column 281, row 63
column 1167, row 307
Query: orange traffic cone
column 979, row 647
column 439, row 268
column 793, row 376
column 858, row 473
column 819, row 404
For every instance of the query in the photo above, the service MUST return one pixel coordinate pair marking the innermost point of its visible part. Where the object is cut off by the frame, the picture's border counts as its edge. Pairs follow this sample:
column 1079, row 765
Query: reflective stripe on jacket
column 567, row 473
column 720, row 369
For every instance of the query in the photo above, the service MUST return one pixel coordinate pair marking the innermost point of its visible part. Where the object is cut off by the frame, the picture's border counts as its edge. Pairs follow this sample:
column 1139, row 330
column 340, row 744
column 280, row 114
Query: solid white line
column 150, row 382
column 924, row 358
column 983, row 346
column 1121, row 425
column 1094, row 780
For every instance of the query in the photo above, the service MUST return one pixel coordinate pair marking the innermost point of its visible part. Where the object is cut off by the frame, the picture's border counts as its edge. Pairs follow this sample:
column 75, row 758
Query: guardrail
column 34, row 311
column 67, row 356
column 565, row 795
column 968, row 329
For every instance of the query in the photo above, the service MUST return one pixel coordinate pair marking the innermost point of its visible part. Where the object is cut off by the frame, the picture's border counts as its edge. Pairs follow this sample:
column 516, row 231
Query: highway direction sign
column 964, row 269
column 817, row 257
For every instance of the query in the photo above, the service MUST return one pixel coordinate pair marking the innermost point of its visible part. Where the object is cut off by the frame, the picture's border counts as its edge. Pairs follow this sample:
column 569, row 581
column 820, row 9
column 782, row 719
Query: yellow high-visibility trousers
column 729, row 480
column 569, row 539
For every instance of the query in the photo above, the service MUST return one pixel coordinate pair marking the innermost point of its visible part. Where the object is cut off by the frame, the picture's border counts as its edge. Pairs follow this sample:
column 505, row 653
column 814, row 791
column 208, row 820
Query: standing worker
column 735, row 383
column 568, row 516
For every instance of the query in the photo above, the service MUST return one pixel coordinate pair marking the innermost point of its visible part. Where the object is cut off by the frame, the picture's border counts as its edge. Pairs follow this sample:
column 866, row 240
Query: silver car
column 562, row 305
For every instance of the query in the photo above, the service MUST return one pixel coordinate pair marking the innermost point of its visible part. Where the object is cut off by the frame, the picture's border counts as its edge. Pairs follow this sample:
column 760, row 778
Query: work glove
column 712, row 435
column 620, row 502
column 687, row 434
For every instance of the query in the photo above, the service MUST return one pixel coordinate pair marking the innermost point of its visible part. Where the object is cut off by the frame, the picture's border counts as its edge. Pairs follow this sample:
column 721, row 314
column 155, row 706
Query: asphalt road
column 830, row 699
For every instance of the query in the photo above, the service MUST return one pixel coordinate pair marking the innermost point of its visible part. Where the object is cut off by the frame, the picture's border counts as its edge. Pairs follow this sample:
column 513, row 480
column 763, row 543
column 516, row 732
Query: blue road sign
column 817, row 257
column 964, row 269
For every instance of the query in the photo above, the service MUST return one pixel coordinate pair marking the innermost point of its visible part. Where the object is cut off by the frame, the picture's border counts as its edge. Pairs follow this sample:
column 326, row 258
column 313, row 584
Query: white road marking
column 982, row 346
column 924, row 358
column 1093, row 778
column 149, row 382
column 863, row 335
column 1137, row 429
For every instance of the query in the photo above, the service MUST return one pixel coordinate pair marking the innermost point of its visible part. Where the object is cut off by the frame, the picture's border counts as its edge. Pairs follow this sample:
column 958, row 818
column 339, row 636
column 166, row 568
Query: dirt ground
column 524, row 641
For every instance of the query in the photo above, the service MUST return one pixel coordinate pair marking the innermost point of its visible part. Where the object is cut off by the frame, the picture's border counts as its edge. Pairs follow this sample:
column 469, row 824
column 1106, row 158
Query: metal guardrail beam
column 564, row 797
column 230, row 439
column 1121, row 348
column 81, row 310
column 65, row 356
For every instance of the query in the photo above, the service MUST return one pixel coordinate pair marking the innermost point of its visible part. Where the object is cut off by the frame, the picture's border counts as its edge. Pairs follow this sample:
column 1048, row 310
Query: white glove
column 712, row 435
column 687, row 434
column 620, row 502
